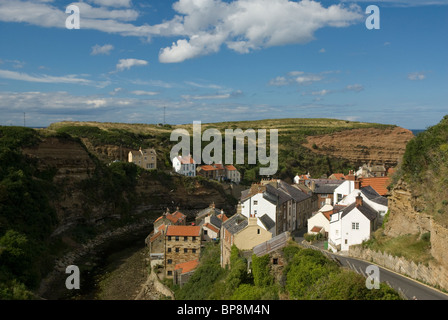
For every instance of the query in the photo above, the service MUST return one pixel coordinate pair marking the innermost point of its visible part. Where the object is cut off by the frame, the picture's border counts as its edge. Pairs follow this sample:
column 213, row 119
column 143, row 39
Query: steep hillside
column 55, row 195
column 419, row 196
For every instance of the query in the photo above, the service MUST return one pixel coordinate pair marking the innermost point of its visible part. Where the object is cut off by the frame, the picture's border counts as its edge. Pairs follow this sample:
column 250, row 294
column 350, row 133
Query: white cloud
column 415, row 76
column 144, row 93
column 112, row 3
column 299, row 78
column 126, row 64
column 355, row 87
column 201, row 26
column 322, row 50
column 246, row 25
column 105, row 49
column 72, row 79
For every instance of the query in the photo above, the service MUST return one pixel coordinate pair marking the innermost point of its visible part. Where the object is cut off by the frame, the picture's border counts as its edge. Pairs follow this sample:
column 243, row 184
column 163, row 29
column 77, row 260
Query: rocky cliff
column 378, row 145
column 74, row 167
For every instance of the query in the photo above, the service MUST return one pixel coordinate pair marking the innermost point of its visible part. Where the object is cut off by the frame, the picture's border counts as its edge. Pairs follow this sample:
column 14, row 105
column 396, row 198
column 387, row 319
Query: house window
column 169, row 261
column 205, row 232
column 193, row 238
column 193, row 250
column 170, row 273
column 177, row 249
column 255, row 202
column 339, row 197
column 346, row 241
column 185, row 250
column 258, row 231
column 169, row 250
column 169, row 238
column 185, row 238
column 355, row 225
column 177, row 238
column 275, row 261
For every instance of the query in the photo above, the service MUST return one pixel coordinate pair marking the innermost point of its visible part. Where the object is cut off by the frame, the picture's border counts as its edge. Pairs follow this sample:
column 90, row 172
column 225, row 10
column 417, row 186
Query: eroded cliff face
column 73, row 165
column 406, row 216
column 363, row 145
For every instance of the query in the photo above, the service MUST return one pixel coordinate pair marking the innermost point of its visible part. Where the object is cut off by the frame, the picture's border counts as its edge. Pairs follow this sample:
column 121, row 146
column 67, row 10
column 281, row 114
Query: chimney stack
column 359, row 200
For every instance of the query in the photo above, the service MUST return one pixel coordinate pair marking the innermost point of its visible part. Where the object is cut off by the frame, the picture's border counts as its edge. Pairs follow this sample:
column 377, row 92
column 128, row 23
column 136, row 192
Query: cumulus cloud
column 105, row 49
column 246, row 25
column 201, row 27
column 126, row 64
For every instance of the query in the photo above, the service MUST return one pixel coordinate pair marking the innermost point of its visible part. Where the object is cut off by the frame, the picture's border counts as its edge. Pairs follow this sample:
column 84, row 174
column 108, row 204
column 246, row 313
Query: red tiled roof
column 316, row 229
column 339, row 176
column 208, row 167
column 379, row 184
column 211, row 227
column 230, row 167
column 178, row 215
column 219, row 166
column 327, row 214
column 155, row 236
column 186, row 159
column 187, row 266
column 223, row 217
column 184, row 231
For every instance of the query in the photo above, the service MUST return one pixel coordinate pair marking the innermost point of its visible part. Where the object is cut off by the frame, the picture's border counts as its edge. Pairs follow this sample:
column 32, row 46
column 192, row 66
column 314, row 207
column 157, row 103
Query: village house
column 219, row 172
column 184, row 165
column 243, row 232
column 279, row 206
column 183, row 271
column 369, row 170
column 320, row 221
column 182, row 244
column 370, row 197
column 352, row 225
column 145, row 158
column 379, row 184
column 155, row 241
column 323, row 188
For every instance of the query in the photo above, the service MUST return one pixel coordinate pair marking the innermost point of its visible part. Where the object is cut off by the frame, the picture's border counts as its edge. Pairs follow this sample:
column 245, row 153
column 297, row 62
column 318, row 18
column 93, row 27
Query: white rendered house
column 369, row 196
column 352, row 225
column 185, row 165
column 320, row 221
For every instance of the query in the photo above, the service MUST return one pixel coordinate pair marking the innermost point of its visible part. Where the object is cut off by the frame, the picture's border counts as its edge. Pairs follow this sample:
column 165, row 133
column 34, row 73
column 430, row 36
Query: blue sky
column 216, row 60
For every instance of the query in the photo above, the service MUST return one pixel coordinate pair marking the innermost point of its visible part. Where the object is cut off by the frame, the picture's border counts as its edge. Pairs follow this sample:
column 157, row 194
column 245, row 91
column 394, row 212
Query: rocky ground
column 123, row 279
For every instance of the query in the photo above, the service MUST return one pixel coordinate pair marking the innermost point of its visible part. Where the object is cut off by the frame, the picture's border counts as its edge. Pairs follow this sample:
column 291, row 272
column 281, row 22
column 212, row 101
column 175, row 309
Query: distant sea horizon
column 417, row 131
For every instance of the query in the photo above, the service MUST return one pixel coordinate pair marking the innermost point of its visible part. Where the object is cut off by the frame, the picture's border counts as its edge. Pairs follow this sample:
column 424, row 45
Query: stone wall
column 439, row 240
column 433, row 274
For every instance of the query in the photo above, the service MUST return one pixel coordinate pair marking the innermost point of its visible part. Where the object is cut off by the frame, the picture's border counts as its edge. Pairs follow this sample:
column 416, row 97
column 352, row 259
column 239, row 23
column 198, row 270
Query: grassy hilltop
column 294, row 157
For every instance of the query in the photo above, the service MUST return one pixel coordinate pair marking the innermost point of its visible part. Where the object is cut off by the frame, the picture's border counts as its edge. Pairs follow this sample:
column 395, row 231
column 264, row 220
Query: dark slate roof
column 267, row 222
column 207, row 211
column 369, row 192
column 365, row 209
column 283, row 192
column 214, row 220
column 380, row 200
column 326, row 187
column 294, row 193
column 236, row 223
column 245, row 194
column 273, row 244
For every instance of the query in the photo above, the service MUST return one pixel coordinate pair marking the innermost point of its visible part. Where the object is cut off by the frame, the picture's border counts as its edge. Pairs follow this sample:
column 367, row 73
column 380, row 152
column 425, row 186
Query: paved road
column 409, row 287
